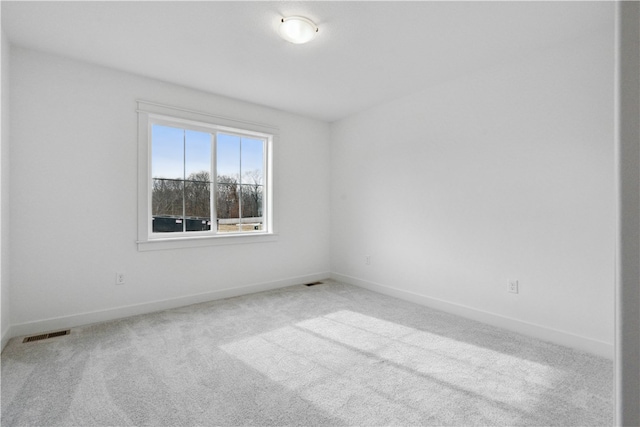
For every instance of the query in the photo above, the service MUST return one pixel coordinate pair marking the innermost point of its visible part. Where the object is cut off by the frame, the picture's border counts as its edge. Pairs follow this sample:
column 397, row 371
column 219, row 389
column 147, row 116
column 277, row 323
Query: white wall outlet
column 367, row 259
column 513, row 286
column 119, row 278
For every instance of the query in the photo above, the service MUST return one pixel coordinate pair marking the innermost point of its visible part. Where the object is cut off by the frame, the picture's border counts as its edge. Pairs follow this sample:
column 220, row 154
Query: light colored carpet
column 331, row 354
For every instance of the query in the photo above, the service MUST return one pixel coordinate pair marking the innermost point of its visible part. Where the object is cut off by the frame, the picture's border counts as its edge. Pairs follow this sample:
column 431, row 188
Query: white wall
column 73, row 206
column 507, row 173
column 5, row 272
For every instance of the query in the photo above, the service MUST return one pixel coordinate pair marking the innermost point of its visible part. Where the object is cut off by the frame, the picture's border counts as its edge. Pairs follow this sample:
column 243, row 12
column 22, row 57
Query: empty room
column 316, row 213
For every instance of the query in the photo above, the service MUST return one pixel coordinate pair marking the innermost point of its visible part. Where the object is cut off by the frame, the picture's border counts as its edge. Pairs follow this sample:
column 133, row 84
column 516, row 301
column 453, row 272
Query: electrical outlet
column 513, row 286
column 119, row 278
column 367, row 259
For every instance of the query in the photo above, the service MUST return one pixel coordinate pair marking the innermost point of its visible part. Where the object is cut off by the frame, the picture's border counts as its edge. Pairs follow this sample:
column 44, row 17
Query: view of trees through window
column 184, row 191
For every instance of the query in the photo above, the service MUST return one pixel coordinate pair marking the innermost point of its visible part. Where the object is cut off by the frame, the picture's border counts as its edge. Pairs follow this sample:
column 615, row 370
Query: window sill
column 203, row 241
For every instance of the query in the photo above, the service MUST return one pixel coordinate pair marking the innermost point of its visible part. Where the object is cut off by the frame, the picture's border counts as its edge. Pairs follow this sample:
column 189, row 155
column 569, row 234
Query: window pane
column 228, row 205
column 166, row 205
column 252, row 161
column 228, row 157
column 197, row 205
column 252, row 202
column 197, row 155
column 252, row 196
column 167, row 152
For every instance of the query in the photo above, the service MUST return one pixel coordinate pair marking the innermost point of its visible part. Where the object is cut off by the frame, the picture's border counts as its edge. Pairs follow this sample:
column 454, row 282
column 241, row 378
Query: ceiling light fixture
column 297, row 29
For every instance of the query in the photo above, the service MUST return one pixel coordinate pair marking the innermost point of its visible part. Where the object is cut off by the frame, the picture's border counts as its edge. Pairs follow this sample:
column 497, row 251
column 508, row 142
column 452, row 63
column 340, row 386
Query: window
column 206, row 180
column 201, row 180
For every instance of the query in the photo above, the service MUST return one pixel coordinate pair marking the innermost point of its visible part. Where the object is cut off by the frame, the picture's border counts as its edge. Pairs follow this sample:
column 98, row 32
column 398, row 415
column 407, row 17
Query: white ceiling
column 365, row 53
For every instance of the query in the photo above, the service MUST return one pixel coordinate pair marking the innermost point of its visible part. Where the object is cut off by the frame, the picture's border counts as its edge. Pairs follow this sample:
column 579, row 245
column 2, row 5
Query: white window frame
column 150, row 113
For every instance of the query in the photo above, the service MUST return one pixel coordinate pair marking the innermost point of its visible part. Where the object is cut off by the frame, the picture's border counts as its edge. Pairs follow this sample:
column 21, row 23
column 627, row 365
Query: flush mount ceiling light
column 297, row 29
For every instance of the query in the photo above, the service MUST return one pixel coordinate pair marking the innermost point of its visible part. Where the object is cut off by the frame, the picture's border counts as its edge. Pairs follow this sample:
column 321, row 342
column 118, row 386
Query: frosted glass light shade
column 297, row 29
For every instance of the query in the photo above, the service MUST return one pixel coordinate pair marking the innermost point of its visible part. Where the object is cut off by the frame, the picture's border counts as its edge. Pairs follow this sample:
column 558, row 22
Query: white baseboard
column 75, row 320
column 543, row 333
column 567, row 339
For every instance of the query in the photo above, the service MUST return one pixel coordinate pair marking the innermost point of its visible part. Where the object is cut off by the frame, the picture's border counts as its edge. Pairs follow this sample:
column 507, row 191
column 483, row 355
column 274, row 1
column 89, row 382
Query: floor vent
column 313, row 284
column 45, row 336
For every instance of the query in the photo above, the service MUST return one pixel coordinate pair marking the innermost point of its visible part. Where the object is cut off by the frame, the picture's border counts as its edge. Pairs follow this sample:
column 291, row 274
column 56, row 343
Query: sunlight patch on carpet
column 346, row 362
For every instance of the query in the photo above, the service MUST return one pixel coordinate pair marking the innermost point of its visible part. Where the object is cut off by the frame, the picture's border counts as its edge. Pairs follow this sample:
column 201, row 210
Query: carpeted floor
column 330, row 354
